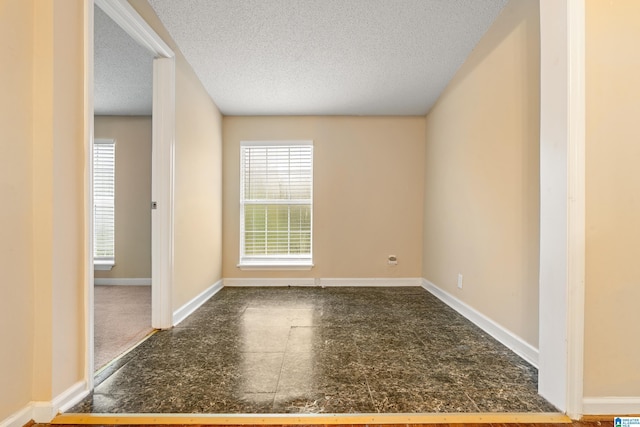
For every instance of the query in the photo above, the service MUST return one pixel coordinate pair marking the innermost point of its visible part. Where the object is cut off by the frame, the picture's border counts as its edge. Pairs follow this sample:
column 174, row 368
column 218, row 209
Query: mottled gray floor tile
column 346, row 399
column 509, row 399
column 213, row 318
column 315, row 350
column 385, row 337
column 319, row 370
column 259, row 372
column 253, row 403
column 415, row 400
column 321, row 338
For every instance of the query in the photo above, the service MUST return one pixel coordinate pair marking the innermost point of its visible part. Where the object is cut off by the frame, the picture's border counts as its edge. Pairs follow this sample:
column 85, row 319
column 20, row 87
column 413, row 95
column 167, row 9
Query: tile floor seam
column 366, row 379
column 284, row 356
column 472, row 401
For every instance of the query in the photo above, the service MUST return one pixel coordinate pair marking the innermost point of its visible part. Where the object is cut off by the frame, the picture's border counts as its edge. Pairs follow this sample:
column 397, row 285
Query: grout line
column 366, row 379
column 284, row 354
column 472, row 401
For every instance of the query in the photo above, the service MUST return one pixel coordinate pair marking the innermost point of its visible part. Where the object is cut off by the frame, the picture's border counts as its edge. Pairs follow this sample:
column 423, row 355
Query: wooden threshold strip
column 312, row 419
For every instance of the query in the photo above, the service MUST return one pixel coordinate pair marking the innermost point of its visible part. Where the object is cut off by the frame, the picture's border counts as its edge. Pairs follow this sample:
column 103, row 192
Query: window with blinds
column 276, row 198
column 104, row 163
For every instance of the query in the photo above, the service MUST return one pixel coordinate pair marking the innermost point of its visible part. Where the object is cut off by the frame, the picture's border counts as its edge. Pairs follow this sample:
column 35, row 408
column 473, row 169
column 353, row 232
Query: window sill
column 103, row 265
column 276, row 265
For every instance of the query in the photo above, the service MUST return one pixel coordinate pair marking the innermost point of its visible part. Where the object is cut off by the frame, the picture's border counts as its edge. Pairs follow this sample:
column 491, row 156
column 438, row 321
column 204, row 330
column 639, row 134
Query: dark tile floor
column 315, row 350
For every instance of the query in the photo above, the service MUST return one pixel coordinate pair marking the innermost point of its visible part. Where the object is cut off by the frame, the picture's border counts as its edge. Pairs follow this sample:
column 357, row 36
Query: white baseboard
column 369, row 282
column 123, row 281
column 18, row 419
column 611, row 406
column 372, row 282
column 44, row 412
column 180, row 314
column 71, row 396
column 506, row 337
column 236, row 281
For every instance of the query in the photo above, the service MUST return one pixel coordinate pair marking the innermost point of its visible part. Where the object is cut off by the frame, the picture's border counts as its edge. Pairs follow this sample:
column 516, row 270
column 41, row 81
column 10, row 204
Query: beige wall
column 133, row 193
column 482, row 176
column 367, row 192
column 198, row 178
column 198, row 189
column 612, row 330
column 59, row 159
column 16, row 291
column 41, row 113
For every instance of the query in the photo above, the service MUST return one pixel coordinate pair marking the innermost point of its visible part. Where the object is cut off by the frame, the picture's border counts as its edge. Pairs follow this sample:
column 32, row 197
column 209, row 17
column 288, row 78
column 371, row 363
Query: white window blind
column 276, row 197
column 104, row 162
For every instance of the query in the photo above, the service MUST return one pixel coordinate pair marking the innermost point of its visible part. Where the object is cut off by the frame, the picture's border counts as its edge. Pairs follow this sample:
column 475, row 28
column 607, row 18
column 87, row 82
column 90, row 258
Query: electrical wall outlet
column 392, row 260
column 459, row 281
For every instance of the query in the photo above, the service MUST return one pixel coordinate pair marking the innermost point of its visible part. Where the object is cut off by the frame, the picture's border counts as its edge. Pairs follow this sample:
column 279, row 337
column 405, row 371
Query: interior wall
column 481, row 200
column 43, row 113
column 198, row 178
column 16, row 294
column 368, row 193
column 65, row 180
column 612, row 282
column 133, row 193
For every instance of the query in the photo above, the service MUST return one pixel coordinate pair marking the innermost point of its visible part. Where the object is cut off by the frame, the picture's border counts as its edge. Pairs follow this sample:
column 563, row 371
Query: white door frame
column 162, row 164
column 562, row 204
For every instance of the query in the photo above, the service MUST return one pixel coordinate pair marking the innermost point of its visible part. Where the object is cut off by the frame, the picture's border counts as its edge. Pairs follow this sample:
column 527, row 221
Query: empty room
column 378, row 166
column 331, row 211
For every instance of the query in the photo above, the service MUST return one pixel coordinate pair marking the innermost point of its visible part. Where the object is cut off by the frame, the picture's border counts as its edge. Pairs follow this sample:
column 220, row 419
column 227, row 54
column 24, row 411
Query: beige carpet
column 122, row 319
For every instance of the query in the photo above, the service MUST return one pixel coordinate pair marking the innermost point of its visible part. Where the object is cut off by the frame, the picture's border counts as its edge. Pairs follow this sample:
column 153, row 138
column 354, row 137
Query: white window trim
column 293, row 262
column 103, row 264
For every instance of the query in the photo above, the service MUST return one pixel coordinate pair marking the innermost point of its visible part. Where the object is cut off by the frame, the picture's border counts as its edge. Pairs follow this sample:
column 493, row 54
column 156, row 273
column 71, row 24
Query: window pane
column 276, row 198
column 277, row 173
column 277, row 229
column 104, row 200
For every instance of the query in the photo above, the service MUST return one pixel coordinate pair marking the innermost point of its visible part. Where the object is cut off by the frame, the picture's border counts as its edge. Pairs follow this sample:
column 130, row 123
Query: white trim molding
column 183, row 312
column 88, row 191
column 576, row 209
column 100, row 281
column 280, row 266
column 497, row 331
column 44, row 412
column 238, row 282
column 562, row 204
column 103, row 265
column 162, row 187
column 372, row 282
column 19, row 418
column 328, row 282
column 70, row 397
column 611, row 405
column 132, row 23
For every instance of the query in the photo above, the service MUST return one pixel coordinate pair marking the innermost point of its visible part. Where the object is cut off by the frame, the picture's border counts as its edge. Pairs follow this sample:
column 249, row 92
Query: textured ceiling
column 123, row 71
column 326, row 57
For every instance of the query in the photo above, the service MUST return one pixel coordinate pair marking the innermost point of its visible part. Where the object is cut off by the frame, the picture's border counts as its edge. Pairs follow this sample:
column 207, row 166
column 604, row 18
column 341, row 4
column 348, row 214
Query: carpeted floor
column 122, row 319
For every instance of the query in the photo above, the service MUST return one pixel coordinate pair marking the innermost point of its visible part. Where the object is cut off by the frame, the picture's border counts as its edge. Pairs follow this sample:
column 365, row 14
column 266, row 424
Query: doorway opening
column 129, row 298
